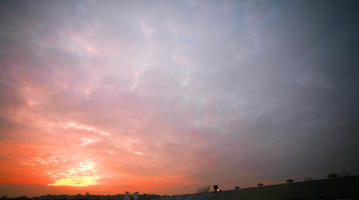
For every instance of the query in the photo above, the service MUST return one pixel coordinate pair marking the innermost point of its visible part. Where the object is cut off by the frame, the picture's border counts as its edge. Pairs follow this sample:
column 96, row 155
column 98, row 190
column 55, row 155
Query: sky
column 168, row 96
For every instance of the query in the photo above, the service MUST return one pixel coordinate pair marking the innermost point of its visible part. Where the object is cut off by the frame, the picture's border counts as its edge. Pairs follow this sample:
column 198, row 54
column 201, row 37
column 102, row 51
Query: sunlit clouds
column 86, row 128
column 80, row 175
column 167, row 96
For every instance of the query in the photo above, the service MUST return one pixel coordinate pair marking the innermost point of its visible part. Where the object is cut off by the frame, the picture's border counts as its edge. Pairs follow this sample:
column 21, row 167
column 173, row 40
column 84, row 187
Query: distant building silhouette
column 127, row 196
column 135, row 196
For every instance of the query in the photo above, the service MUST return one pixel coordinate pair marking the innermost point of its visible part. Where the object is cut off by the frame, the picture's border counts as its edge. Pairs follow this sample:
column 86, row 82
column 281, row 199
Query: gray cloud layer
column 245, row 90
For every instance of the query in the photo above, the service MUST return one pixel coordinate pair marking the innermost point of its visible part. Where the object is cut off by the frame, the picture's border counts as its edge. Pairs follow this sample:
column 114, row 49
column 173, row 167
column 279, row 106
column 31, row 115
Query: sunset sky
column 168, row 96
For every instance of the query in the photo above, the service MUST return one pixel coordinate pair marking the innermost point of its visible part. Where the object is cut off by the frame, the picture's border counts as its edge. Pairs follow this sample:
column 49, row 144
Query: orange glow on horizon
column 79, row 175
column 77, row 181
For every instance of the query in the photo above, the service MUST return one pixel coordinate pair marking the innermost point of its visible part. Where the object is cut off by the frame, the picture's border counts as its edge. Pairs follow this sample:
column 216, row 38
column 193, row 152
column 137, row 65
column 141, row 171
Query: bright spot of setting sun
column 79, row 175
column 77, row 181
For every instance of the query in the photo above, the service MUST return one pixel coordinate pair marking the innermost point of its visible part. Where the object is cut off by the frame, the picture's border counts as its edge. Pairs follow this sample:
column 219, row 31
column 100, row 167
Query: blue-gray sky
column 167, row 96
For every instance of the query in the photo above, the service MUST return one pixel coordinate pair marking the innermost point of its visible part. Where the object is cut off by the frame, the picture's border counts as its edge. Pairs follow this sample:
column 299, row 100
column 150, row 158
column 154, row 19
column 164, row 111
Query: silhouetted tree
column 332, row 175
column 22, row 198
column 260, row 184
column 290, row 180
column 215, row 188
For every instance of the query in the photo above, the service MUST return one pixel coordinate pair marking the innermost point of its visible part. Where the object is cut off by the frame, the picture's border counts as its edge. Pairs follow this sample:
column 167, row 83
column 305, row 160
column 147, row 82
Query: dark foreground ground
column 334, row 188
column 329, row 189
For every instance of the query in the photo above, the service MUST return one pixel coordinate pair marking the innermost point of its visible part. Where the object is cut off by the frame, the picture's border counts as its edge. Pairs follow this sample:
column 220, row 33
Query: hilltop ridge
column 332, row 188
